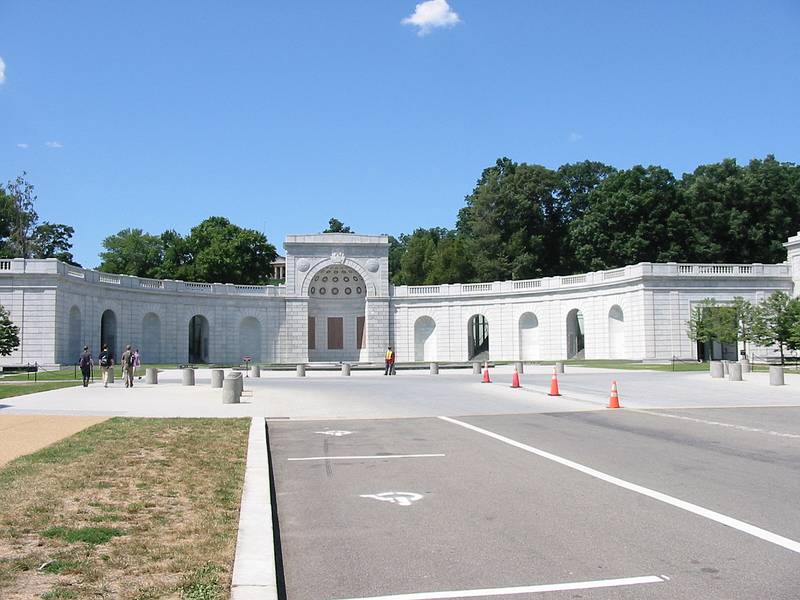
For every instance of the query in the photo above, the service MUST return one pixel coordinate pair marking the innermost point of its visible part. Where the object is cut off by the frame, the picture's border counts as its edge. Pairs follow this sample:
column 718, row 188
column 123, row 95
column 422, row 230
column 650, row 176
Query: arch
column 151, row 338
column 108, row 331
column 371, row 290
column 74, row 336
column 425, row 339
column 528, row 336
column 198, row 339
column 477, row 338
column 576, row 341
column 250, row 339
column 616, row 332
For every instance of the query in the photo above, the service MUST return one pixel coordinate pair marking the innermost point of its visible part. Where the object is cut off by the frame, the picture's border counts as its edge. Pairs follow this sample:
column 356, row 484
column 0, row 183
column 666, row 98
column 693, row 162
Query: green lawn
column 20, row 389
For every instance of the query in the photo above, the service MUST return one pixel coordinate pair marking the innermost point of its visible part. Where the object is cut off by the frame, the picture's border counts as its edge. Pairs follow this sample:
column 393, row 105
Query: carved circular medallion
column 373, row 265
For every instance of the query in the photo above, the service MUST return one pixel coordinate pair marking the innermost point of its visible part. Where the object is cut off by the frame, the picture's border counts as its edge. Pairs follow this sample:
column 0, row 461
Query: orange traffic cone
column 613, row 401
column 554, row 384
column 515, row 379
column 486, row 373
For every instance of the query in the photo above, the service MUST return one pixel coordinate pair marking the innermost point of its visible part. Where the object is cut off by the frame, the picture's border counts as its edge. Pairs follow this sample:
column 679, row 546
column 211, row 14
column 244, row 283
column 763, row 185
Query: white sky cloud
column 575, row 137
column 23, row 146
column 431, row 14
column 54, row 144
column 2, row 70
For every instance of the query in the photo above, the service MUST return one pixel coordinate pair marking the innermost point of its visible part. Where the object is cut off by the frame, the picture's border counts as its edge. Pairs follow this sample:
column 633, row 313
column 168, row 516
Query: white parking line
column 719, row 424
column 528, row 589
column 763, row 534
column 366, row 457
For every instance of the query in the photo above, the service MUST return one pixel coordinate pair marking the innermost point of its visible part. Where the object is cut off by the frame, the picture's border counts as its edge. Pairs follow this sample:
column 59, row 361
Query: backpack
column 86, row 360
column 130, row 359
column 104, row 359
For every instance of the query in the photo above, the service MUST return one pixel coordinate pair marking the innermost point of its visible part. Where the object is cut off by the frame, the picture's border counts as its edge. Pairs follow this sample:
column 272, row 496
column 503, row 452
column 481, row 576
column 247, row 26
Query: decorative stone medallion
column 303, row 265
column 373, row 265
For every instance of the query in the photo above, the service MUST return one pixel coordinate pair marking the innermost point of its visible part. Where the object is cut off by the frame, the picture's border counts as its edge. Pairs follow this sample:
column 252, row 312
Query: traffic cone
column 554, row 384
column 613, row 401
column 515, row 379
column 486, row 373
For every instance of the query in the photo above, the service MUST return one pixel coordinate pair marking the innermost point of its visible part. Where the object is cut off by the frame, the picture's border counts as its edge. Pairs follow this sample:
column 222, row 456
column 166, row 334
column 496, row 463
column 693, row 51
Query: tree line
column 525, row 221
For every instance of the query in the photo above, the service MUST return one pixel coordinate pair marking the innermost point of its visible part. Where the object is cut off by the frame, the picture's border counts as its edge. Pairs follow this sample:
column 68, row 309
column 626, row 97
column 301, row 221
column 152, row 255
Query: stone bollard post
column 301, row 370
column 745, row 364
column 187, row 377
column 255, row 371
column 735, row 371
column 726, row 367
column 434, row 368
column 560, row 368
column 217, row 375
column 232, row 388
column 520, row 367
column 476, row 368
column 346, row 369
column 151, row 376
column 776, row 375
column 717, row 370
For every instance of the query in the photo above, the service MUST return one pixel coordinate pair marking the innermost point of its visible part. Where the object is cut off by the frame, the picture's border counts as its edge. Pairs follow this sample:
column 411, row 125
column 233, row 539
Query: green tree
column 52, row 240
column 226, row 253
column 336, row 226
column 132, row 252
column 701, row 326
column 775, row 323
column 431, row 256
column 633, row 216
column 9, row 333
column 176, row 257
column 22, row 216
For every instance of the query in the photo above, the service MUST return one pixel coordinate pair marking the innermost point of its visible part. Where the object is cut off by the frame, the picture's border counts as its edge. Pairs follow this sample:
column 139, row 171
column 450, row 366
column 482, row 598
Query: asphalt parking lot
column 670, row 504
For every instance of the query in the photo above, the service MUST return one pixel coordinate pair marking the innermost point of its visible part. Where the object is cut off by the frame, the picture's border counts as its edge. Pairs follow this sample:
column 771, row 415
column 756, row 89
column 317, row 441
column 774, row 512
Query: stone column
column 294, row 333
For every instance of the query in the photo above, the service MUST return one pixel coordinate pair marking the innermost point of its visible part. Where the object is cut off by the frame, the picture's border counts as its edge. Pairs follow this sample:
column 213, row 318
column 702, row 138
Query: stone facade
column 338, row 285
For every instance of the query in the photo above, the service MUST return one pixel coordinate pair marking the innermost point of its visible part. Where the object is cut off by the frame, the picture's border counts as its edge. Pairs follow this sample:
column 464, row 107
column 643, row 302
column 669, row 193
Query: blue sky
column 280, row 115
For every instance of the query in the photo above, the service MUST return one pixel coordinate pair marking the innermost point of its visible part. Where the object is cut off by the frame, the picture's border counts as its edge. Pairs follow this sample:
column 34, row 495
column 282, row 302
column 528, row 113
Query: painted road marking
column 529, row 589
column 398, row 498
column 367, row 457
column 334, row 432
column 720, row 424
column 763, row 534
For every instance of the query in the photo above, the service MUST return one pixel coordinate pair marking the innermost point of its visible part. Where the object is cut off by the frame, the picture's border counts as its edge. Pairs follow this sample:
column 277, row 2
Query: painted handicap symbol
column 334, row 432
column 398, row 498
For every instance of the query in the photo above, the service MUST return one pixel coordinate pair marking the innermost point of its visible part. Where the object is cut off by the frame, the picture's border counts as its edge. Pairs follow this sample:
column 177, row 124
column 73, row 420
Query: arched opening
column 478, row 338
column 337, row 300
column 108, row 332
column 528, row 336
column 425, row 339
column 198, row 339
column 616, row 332
column 74, row 337
column 575, row 334
column 150, row 350
column 250, row 339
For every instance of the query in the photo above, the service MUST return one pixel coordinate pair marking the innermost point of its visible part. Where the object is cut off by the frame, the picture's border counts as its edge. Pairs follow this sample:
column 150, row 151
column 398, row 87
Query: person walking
column 127, row 366
column 86, row 363
column 106, row 363
column 137, row 362
column 389, row 362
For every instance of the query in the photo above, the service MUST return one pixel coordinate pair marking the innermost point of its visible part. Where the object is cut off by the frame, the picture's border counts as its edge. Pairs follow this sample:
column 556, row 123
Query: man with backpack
column 86, row 363
column 106, row 363
column 127, row 366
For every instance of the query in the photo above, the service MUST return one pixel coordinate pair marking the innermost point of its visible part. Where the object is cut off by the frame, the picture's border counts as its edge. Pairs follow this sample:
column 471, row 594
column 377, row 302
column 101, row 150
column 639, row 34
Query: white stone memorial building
column 337, row 305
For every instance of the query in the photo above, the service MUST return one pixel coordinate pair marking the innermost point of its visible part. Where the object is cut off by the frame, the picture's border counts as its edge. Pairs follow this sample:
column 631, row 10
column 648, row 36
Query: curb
column 254, row 574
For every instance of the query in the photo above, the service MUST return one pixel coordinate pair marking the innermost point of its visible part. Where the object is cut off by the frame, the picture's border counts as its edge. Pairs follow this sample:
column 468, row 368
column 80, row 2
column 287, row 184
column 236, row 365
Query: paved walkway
column 23, row 434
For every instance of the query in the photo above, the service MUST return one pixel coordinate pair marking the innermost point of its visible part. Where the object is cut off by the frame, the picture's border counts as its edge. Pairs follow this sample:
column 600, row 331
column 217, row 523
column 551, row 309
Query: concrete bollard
column 735, row 371
column 717, row 370
column 217, row 375
column 745, row 364
column 726, row 367
column 255, row 371
column 476, row 368
column 232, row 388
column 520, row 367
column 301, row 370
column 560, row 368
column 151, row 376
column 346, row 369
column 434, row 369
column 187, row 377
column 776, row 375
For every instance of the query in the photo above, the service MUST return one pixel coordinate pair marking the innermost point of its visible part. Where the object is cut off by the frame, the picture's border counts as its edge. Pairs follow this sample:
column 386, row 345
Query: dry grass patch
column 134, row 509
